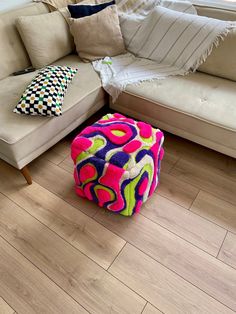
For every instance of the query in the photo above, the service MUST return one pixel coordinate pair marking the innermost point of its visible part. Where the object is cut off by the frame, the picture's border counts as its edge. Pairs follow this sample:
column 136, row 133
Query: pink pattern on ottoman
column 117, row 162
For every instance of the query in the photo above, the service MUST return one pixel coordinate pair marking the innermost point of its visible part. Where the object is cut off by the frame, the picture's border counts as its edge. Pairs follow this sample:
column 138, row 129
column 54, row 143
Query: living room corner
column 118, row 156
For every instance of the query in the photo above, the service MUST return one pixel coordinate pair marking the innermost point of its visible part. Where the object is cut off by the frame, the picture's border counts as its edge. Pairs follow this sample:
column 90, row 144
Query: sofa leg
column 26, row 174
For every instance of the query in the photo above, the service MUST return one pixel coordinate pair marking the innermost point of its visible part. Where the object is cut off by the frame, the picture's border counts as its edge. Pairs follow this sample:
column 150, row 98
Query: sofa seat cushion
column 203, row 96
column 199, row 104
column 22, row 136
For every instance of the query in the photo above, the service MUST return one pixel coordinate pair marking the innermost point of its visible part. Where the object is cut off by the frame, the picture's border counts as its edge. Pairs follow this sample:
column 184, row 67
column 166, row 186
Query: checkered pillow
column 44, row 96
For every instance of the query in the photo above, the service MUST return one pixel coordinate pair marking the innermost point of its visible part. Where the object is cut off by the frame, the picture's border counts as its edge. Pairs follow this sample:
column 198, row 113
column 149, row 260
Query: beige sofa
column 200, row 107
column 23, row 138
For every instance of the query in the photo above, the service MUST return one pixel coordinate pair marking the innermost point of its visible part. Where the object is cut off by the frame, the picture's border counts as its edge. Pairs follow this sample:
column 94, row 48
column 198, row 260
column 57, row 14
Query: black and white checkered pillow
column 44, row 96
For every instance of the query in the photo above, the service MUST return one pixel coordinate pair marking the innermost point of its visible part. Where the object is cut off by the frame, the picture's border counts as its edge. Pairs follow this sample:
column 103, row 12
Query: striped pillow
column 176, row 38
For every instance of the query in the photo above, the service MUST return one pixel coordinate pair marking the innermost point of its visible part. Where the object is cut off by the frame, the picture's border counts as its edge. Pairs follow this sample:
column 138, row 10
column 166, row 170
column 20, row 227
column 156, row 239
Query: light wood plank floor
column 63, row 254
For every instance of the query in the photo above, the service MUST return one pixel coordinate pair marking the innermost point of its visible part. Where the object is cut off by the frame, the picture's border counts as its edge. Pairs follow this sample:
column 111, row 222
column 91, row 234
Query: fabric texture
column 13, row 55
column 165, row 43
column 139, row 7
column 132, row 22
column 45, row 95
column 82, row 10
column 222, row 60
column 117, row 163
column 56, row 4
column 98, row 35
column 66, row 13
column 23, row 138
column 179, row 5
column 205, row 97
column 198, row 131
column 216, row 13
column 46, row 37
column 177, row 38
column 197, row 106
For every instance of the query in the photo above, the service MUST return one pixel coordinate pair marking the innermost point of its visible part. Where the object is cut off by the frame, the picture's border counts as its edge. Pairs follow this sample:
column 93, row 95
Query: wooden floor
column 63, row 254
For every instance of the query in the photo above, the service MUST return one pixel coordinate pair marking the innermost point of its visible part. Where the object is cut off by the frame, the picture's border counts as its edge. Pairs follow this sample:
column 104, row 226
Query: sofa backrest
column 222, row 60
column 13, row 56
column 216, row 13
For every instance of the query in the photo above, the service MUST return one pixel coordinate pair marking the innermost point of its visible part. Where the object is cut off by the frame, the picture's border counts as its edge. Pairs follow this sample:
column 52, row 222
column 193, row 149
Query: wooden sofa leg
column 26, row 174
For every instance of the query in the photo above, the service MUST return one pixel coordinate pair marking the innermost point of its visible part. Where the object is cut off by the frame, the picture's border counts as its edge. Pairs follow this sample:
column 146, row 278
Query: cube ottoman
column 117, row 163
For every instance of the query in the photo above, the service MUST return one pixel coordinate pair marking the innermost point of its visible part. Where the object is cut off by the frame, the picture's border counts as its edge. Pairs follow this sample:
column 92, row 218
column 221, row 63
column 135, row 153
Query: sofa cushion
column 46, row 37
column 203, row 96
column 217, row 63
column 222, row 60
column 22, row 138
column 45, row 94
column 98, row 35
column 198, row 104
column 13, row 56
column 216, row 13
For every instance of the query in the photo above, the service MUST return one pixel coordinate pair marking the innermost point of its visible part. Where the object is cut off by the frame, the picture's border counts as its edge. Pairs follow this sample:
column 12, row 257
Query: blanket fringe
column 220, row 37
column 116, row 91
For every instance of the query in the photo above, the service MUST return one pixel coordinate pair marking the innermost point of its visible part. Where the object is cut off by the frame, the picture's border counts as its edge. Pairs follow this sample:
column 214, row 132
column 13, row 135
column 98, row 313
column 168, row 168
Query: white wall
column 9, row 4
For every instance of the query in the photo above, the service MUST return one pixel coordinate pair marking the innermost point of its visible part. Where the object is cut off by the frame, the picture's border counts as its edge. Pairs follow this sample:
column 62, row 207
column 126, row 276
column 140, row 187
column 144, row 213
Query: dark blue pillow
column 83, row 10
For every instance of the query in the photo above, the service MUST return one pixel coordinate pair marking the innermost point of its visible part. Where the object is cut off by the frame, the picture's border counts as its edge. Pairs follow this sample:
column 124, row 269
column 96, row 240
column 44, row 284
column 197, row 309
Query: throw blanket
column 140, row 7
column 165, row 42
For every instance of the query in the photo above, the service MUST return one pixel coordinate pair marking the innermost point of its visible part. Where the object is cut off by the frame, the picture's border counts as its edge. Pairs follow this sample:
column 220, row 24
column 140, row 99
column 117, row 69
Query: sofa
column 200, row 107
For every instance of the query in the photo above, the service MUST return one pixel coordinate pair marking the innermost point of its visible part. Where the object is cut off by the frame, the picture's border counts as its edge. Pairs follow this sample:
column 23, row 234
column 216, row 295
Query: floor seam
column 174, row 272
column 1, row 297
column 33, row 264
column 177, row 235
column 105, row 270
column 144, row 307
column 204, row 190
column 117, row 256
column 222, row 244
column 234, row 232
column 171, row 270
column 173, row 166
column 194, row 200
column 54, row 232
column 158, row 192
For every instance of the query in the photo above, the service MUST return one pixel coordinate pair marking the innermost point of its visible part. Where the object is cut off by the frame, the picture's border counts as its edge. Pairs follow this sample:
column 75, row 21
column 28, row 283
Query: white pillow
column 46, row 37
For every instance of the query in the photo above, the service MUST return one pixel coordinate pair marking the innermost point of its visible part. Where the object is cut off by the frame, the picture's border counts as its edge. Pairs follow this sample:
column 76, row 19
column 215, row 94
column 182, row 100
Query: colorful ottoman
column 117, row 163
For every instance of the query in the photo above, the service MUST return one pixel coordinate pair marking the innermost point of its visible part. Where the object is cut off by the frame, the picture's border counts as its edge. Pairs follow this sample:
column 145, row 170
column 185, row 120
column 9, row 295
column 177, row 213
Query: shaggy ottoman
column 117, row 163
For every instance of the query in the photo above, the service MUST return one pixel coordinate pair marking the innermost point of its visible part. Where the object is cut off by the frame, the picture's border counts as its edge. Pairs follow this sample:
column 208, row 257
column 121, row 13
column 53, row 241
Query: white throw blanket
column 139, row 7
column 164, row 43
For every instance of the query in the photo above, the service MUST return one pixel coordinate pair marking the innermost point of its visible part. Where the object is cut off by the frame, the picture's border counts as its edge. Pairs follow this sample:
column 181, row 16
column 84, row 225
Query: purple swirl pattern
column 117, row 163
